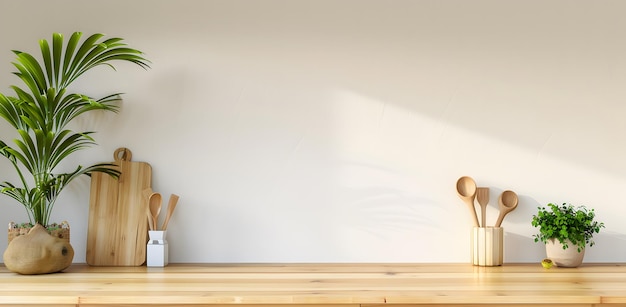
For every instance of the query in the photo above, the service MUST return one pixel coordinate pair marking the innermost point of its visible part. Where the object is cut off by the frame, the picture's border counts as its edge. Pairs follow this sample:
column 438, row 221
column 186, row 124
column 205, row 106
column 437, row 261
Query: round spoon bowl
column 507, row 202
column 466, row 189
column 155, row 208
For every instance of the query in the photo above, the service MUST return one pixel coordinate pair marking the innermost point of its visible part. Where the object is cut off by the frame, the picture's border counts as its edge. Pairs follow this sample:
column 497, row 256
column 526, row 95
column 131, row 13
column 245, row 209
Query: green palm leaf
column 42, row 107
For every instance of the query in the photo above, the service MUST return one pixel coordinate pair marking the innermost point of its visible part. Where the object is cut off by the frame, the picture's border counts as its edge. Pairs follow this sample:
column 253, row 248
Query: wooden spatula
column 482, row 196
column 170, row 209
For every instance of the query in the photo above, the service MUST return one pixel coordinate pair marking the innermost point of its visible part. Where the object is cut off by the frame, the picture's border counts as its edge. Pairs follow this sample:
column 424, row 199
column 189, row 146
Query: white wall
column 334, row 131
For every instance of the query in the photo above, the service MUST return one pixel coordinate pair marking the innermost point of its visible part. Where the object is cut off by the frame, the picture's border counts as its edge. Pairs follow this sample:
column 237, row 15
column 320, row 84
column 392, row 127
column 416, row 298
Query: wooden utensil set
column 154, row 208
column 468, row 192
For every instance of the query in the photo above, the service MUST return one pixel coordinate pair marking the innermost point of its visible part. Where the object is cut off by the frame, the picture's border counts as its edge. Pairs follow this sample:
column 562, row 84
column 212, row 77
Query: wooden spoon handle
column 470, row 206
column 503, row 212
column 500, row 218
column 150, row 222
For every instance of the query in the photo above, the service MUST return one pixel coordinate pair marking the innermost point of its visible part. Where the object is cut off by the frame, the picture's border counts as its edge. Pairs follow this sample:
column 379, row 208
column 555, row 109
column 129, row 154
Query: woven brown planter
column 61, row 231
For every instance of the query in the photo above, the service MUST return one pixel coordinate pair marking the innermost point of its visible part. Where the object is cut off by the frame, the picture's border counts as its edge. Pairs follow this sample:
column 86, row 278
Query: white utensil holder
column 487, row 246
column 157, row 249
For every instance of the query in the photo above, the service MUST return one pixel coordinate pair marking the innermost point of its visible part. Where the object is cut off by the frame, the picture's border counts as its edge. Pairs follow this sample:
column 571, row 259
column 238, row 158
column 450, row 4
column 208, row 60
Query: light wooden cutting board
column 118, row 224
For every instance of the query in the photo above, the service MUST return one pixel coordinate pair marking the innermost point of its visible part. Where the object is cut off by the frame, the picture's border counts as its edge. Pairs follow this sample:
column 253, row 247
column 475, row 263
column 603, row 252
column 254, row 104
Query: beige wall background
column 335, row 131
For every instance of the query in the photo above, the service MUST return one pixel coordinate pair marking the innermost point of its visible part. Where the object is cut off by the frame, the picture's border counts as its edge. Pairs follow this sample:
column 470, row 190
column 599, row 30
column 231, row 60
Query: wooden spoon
column 155, row 208
column 507, row 202
column 466, row 189
column 170, row 209
column 482, row 196
column 147, row 192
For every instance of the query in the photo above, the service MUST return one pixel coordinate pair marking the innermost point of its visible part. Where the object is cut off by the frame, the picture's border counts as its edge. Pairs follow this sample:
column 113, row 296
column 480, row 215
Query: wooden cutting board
column 118, row 223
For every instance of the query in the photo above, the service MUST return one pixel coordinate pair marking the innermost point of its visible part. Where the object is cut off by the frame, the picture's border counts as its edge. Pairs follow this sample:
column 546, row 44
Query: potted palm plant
column 41, row 109
column 566, row 230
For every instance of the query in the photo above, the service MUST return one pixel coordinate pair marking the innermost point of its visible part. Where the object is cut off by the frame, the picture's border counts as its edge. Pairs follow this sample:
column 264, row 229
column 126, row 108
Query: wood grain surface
column 118, row 226
column 310, row 285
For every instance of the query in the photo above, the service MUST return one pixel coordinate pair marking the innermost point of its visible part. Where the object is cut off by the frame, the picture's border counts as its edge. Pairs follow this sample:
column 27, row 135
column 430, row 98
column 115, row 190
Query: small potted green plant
column 566, row 230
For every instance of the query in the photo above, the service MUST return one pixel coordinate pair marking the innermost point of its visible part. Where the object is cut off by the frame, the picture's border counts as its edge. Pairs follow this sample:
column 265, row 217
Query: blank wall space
column 326, row 131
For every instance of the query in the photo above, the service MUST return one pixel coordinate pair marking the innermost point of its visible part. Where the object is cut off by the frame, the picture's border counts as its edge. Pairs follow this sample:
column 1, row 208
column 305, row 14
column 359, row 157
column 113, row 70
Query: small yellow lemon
column 547, row 263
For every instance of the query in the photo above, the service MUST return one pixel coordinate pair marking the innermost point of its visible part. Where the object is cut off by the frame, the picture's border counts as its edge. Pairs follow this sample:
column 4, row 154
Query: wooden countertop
column 366, row 285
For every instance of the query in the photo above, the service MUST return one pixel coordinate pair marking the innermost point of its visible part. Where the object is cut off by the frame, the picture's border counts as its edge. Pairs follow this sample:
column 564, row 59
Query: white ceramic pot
column 568, row 258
